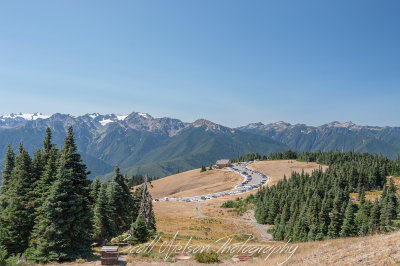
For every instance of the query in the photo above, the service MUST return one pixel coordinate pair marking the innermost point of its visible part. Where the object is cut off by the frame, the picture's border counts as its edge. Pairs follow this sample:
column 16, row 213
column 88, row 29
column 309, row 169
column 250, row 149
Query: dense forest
column 288, row 154
column 51, row 211
column 318, row 206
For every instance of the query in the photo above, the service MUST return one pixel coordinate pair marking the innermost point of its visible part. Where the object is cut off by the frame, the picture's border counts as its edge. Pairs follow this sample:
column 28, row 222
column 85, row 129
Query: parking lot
column 251, row 180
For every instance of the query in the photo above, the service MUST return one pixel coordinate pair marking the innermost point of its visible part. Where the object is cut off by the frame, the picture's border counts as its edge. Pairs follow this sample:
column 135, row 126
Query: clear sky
column 232, row 62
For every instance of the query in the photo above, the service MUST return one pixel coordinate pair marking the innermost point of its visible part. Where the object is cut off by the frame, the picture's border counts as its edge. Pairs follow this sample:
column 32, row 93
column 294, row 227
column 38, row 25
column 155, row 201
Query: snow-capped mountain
column 24, row 116
column 14, row 120
column 161, row 145
column 97, row 121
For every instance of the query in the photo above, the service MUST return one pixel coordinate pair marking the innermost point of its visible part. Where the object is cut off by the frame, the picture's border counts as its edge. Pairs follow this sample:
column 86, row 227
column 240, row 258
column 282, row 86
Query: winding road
column 251, row 180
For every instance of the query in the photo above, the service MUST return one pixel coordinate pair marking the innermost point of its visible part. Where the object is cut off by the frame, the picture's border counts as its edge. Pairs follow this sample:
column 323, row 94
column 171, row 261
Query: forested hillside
column 318, row 206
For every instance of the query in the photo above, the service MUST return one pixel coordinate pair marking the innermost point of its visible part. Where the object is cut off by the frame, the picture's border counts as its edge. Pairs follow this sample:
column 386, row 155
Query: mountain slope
column 332, row 136
column 137, row 142
column 194, row 147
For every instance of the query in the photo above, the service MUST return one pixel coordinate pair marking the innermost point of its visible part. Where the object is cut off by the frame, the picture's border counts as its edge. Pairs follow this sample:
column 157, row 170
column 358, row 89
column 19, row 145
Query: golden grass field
column 194, row 183
column 276, row 170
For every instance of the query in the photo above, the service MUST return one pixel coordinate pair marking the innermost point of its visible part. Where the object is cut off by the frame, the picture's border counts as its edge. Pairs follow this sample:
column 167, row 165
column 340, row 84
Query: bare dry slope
column 194, row 183
column 276, row 170
column 381, row 249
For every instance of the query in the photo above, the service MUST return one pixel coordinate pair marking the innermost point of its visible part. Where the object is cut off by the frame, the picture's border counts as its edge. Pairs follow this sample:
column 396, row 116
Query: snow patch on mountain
column 94, row 115
column 121, row 117
column 26, row 116
column 105, row 121
column 344, row 125
column 144, row 115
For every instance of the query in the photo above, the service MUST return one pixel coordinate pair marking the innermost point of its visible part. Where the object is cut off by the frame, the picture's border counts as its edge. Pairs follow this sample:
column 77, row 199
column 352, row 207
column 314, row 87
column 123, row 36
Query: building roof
column 223, row 161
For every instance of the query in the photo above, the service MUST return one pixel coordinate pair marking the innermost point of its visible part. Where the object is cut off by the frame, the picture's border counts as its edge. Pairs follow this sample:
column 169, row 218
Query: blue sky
column 232, row 62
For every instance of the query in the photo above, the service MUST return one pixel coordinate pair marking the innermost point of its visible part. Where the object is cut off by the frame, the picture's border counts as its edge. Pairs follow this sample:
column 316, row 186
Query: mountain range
column 140, row 143
column 332, row 136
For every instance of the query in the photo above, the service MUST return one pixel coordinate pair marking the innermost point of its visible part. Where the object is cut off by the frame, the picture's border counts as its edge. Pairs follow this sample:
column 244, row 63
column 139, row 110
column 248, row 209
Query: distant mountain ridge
column 138, row 142
column 332, row 136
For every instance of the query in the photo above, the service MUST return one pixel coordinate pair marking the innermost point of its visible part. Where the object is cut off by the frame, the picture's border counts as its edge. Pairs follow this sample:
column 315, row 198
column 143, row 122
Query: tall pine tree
column 8, row 167
column 17, row 216
column 348, row 227
column 61, row 232
column 104, row 227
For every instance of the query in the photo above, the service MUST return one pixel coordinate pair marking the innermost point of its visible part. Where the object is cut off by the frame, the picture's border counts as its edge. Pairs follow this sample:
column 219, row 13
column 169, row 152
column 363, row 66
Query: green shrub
column 239, row 205
column 207, row 257
column 228, row 204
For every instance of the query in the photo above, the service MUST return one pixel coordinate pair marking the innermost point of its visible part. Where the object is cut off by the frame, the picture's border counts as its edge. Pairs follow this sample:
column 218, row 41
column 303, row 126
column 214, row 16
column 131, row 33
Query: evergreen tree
column 323, row 220
column 335, row 218
column 44, row 183
column 120, row 202
column 49, row 149
column 260, row 215
column 8, row 167
column 73, row 162
column 47, row 145
column 17, row 216
column 103, row 225
column 38, row 165
column 45, row 164
column 95, row 190
column 61, row 232
column 273, row 209
column 362, row 217
column 300, row 230
column 125, row 206
column 373, row 223
column 361, row 196
column 140, row 231
column 389, row 205
column 348, row 227
column 278, row 230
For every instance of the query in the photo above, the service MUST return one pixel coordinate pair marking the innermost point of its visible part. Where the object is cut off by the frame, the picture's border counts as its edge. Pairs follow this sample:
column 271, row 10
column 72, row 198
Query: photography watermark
column 224, row 245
